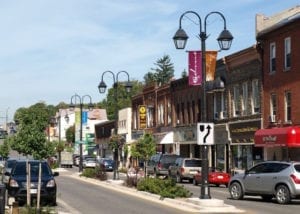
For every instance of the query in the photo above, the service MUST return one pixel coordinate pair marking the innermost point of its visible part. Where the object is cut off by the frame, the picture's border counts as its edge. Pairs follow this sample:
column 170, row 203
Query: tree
column 123, row 98
column 163, row 72
column 70, row 134
column 31, row 138
column 5, row 148
column 144, row 148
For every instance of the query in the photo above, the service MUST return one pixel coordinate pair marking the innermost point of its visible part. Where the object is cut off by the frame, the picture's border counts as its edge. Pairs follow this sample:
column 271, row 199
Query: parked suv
column 17, row 182
column 268, row 179
column 159, row 164
column 184, row 169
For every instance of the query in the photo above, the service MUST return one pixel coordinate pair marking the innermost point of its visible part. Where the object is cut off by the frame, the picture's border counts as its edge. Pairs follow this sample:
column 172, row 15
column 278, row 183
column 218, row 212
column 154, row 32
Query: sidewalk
column 191, row 205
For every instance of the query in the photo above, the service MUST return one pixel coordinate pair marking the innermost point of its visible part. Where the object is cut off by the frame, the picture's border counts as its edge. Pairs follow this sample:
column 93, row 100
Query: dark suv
column 159, row 164
column 17, row 185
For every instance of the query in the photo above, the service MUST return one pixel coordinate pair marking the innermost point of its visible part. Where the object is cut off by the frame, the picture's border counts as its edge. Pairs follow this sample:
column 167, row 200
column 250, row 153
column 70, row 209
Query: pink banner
column 195, row 71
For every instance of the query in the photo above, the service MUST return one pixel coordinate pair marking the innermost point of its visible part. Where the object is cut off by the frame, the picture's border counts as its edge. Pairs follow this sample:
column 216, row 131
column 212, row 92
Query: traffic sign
column 205, row 134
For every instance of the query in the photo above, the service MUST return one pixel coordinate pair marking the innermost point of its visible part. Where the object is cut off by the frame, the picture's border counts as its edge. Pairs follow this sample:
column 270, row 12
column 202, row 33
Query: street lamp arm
column 192, row 12
column 211, row 13
column 123, row 72
column 75, row 96
column 111, row 74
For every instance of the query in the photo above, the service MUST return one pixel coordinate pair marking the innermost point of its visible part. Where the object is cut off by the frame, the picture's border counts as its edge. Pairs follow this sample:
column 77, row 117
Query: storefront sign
column 243, row 132
column 142, row 117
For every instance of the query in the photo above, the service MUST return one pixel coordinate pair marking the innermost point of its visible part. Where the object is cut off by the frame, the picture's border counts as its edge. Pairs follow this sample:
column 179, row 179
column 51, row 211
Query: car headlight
column 51, row 183
column 13, row 183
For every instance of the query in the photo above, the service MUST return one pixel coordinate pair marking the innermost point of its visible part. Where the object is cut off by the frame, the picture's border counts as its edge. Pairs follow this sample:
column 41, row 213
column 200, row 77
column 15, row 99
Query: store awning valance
column 283, row 136
column 164, row 138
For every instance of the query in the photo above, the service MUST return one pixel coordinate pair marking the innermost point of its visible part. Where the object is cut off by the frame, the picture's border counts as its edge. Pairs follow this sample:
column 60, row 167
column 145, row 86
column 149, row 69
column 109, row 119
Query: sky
column 53, row 49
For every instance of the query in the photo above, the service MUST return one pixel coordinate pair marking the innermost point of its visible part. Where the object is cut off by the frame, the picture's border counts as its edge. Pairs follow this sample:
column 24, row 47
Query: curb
column 192, row 205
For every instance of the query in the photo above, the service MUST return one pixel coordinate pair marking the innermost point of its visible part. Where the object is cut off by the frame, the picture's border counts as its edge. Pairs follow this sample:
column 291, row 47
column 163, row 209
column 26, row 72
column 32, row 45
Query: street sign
column 205, row 134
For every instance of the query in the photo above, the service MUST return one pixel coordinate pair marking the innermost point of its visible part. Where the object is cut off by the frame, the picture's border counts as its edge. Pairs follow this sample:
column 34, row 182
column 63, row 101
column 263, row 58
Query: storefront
column 220, row 151
column 243, row 153
column 279, row 143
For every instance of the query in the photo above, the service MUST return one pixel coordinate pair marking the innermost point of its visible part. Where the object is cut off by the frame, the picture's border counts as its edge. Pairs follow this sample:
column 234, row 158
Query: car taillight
column 51, row 183
column 13, row 183
column 295, row 179
column 159, row 165
column 181, row 169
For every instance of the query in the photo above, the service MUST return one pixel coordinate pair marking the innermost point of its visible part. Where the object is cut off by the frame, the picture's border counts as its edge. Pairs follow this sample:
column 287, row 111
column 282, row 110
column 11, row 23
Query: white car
column 89, row 163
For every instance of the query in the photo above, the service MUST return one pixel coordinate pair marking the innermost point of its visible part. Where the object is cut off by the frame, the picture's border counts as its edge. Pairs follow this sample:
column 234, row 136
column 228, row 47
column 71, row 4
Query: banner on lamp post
column 211, row 59
column 195, row 64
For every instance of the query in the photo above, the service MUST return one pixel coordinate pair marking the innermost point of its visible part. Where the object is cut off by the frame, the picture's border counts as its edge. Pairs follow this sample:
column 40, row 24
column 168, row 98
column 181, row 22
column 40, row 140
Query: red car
column 215, row 176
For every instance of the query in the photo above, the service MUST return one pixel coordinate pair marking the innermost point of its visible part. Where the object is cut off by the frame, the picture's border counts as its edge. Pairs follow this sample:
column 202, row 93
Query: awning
column 164, row 138
column 285, row 136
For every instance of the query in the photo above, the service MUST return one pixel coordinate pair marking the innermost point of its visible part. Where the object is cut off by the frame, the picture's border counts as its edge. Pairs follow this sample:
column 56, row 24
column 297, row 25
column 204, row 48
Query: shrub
column 165, row 188
column 97, row 172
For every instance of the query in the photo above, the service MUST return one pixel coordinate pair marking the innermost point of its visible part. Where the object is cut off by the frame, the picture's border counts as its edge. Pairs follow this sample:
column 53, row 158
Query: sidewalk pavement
column 192, row 205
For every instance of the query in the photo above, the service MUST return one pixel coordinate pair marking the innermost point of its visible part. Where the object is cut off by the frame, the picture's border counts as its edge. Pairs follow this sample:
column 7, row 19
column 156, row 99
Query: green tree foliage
column 162, row 73
column 123, row 98
column 31, row 138
column 5, row 148
column 144, row 148
column 70, row 134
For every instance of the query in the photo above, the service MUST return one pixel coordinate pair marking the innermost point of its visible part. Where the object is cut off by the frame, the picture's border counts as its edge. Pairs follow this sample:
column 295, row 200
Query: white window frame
column 287, row 106
column 255, row 99
column 245, row 98
column 236, row 100
column 272, row 57
column 273, row 107
column 287, row 53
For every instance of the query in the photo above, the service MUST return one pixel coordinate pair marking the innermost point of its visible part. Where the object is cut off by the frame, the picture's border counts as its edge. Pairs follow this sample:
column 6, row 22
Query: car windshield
column 193, row 163
column 20, row 169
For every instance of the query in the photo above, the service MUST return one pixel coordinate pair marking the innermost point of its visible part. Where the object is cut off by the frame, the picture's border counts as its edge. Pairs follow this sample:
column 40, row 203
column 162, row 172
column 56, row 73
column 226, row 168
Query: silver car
column 268, row 179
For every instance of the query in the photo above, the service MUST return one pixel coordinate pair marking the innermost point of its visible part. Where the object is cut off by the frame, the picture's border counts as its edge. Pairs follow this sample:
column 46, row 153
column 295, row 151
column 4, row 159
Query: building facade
column 278, row 37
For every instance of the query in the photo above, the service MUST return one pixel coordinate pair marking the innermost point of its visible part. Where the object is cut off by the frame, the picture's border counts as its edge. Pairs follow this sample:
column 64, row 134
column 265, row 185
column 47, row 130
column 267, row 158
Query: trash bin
column 2, row 198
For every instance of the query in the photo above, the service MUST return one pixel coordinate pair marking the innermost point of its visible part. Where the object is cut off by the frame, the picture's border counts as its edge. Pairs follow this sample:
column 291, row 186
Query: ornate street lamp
column 180, row 39
column 102, row 87
column 72, row 106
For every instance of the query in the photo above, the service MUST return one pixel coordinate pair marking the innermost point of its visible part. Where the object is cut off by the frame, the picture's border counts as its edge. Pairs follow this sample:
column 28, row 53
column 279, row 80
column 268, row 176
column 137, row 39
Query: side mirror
column 7, row 173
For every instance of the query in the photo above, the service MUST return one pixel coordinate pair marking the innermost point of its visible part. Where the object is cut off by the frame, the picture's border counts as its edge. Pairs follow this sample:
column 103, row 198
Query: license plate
column 33, row 191
column 220, row 177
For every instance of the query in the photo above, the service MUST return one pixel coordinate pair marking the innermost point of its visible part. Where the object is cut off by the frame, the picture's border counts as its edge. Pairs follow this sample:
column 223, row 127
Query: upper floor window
column 135, row 119
column 236, row 100
column 169, row 113
column 255, row 101
column 150, row 116
column 287, row 53
column 219, row 106
column 245, row 98
column 273, row 107
column 288, row 107
column 160, row 114
column 272, row 57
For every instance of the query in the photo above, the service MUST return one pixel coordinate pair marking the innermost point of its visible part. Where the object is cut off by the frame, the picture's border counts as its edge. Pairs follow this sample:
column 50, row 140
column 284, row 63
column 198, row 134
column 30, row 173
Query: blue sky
column 52, row 49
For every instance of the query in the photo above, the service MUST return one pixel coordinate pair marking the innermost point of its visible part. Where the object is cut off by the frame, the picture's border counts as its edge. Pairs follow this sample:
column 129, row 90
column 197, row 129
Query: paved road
column 252, row 205
column 77, row 197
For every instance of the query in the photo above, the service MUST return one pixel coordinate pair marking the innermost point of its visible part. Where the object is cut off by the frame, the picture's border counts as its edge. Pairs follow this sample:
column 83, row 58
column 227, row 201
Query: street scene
column 141, row 107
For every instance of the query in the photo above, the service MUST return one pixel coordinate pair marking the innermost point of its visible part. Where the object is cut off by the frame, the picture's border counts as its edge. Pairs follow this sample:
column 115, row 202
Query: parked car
column 107, row 163
column 158, row 164
column 268, row 179
column 17, row 185
column 216, row 177
column 89, row 163
column 185, row 169
column 8, row 165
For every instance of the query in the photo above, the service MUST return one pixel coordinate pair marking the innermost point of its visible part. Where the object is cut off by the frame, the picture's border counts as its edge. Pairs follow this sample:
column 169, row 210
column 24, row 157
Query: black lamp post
column 72, row 106
column 102, row 87
column 224, row 40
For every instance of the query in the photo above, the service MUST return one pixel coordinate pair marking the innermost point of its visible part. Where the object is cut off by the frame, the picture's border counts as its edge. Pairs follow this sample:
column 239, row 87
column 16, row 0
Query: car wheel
column 178, row 178
column 236, row 191
column 283, row 195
